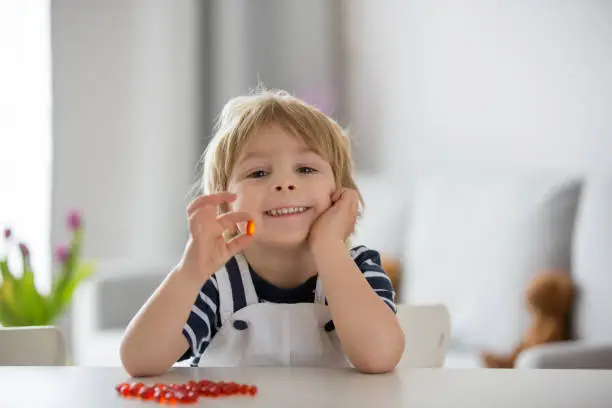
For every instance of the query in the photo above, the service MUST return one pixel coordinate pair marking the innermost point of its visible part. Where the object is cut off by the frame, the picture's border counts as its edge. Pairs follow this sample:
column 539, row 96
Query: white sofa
column 471, row 240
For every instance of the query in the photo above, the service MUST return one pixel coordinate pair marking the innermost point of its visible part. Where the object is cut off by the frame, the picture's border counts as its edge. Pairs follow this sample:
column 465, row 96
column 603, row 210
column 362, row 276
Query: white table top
column 71, row 387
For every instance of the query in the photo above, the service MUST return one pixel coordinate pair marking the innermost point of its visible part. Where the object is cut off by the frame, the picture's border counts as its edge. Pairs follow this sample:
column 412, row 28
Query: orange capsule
column 250, row 228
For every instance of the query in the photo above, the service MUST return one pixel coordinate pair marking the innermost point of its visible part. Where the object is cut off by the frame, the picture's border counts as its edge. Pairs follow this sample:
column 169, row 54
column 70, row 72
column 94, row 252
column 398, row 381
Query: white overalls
column 271, row 334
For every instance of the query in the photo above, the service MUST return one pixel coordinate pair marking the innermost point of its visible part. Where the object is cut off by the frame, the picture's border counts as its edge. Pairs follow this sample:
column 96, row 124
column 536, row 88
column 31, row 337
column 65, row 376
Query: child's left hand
column 338, row 221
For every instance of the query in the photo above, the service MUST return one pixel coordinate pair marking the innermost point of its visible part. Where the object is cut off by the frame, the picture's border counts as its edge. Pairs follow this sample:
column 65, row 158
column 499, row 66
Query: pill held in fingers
column 250, row 227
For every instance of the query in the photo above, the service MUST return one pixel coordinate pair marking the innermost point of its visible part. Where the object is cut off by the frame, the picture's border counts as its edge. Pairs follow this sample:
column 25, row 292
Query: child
column 291, row 293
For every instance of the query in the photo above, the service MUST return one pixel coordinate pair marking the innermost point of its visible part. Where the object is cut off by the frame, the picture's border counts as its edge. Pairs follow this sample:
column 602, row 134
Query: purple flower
column 74, row 220
column 7, row 233
column 62, row 253
column 23, row 248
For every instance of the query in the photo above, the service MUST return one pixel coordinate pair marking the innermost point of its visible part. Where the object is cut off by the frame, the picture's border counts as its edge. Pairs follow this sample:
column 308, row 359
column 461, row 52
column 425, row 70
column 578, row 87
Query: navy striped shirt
column 204, row 320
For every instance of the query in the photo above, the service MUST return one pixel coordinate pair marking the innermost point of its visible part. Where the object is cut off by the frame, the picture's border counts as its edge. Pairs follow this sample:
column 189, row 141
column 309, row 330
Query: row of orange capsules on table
column 188, row 392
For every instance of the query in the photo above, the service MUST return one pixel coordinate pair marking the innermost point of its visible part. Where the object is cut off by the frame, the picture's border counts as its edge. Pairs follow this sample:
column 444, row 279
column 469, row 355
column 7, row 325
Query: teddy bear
column 549, row 299
column 393, row 268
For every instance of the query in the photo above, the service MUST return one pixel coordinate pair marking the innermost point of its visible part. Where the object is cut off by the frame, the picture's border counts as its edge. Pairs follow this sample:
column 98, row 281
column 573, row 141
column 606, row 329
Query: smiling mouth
column 286, row 211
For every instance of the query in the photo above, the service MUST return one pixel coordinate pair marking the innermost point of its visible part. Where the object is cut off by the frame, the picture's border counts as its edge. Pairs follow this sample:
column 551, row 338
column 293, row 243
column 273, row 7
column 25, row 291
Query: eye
column 306, row 170
column 258, row 174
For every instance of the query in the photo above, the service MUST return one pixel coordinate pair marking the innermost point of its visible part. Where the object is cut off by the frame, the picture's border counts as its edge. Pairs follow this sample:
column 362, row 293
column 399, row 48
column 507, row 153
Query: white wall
column 289, row 44
column 135, row 85
column 126, row 128
column 520, row 83
column 126, row 123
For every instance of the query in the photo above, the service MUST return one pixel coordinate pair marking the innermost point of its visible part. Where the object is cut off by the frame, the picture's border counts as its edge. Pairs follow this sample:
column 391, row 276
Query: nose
column 284, row 186
column 284, row 180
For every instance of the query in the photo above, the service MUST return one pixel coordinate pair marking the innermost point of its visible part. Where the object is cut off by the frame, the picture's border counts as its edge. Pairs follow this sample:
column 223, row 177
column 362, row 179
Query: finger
column 349, row 192
column 238, row 243
column 202, row 219
column 350, row 232
column 230, row 219
column 336, row 195
column 211, row 199
column 348, row 198
column 349, row 203
column 356, row 202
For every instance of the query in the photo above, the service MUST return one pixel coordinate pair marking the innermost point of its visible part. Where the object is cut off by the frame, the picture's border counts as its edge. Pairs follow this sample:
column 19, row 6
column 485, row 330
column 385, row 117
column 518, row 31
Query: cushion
column 592, row 268
column 381, row 226
column 476, row 240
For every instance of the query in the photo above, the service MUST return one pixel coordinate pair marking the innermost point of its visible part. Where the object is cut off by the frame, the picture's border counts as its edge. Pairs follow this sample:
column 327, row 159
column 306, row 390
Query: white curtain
column 25, row 129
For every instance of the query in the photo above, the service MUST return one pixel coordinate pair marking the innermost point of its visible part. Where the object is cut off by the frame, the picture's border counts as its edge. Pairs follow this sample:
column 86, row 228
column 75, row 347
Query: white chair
column 36, row 345
column 427, row 333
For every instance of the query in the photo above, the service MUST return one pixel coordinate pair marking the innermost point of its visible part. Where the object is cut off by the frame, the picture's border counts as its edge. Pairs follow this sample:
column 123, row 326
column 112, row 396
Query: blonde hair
column 242, row 116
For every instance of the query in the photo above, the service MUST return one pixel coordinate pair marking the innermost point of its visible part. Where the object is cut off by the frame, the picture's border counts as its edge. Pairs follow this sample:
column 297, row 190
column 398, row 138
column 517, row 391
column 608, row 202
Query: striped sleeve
column 203, row 321
column 368, row 261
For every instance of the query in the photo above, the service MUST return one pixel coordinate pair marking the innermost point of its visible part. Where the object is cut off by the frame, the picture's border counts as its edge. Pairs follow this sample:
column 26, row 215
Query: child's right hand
column 207, row 249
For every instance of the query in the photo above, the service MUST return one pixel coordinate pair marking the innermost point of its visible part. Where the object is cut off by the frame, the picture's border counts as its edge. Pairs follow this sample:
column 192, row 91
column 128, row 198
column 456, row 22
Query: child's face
column 283, row 185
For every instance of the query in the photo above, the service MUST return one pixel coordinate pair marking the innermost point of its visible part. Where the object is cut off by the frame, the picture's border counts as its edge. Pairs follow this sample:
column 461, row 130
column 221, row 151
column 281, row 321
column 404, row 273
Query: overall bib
column 271, row 334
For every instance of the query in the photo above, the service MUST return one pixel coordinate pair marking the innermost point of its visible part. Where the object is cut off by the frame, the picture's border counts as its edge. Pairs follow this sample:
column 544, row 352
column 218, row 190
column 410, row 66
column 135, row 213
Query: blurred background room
column 481, row 133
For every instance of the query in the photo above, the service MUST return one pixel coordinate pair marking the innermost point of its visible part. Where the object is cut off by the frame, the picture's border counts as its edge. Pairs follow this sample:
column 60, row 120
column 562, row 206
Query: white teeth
column 284, row 211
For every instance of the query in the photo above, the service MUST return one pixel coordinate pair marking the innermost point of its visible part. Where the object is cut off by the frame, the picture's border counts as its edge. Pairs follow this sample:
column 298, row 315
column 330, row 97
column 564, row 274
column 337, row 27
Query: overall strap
column 226, row 296
column 250, row 294
column 319, row 295
column 236, row 288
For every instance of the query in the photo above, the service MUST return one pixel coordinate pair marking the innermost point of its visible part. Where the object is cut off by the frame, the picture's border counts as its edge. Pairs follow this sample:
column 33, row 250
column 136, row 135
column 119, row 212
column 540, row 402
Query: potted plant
column 21, row 304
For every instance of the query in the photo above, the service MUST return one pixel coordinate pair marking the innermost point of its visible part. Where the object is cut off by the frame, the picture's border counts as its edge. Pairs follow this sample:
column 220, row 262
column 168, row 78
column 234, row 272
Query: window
column 25, row 129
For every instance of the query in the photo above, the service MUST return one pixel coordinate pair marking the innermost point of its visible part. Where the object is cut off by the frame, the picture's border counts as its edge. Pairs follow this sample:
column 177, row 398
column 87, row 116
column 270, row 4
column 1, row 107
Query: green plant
column 21, row 304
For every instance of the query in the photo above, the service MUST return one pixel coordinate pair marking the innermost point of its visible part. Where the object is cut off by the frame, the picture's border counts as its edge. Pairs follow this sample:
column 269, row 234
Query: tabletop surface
column 93, row 387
